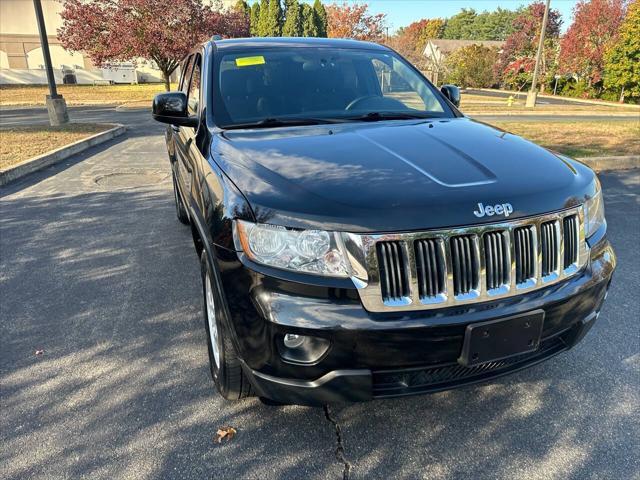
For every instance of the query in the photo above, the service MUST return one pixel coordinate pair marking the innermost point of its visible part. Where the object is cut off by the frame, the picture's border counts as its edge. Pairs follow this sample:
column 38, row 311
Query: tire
column 226, row 371
column 181, row 211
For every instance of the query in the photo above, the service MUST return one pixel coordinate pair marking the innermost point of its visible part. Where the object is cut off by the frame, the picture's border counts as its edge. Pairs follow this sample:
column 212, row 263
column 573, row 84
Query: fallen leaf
column 225, row 432
column 39, row 352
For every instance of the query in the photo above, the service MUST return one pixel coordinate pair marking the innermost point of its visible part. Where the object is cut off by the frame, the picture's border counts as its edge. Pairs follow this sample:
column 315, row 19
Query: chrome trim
column 361, row 253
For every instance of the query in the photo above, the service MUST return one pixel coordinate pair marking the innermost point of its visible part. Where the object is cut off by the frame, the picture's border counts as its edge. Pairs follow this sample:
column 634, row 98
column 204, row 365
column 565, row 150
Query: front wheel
column 225, row 367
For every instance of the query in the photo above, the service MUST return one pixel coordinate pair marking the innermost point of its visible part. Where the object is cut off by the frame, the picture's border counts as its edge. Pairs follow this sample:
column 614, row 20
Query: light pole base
column 57, row 109
column 531, row 99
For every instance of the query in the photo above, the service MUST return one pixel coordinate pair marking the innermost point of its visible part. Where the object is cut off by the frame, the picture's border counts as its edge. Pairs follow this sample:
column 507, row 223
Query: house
column 437, row 50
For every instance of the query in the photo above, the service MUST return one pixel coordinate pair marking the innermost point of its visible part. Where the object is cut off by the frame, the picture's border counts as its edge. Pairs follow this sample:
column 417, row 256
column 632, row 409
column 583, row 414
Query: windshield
column 273, row 87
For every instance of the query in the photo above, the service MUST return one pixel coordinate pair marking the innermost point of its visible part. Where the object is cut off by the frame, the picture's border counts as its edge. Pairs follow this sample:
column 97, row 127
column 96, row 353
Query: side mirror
column 452, row 93
column 171, row 107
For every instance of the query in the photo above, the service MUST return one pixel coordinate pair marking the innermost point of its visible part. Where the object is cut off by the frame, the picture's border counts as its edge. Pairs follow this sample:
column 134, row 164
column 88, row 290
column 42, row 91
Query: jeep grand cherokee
column 359, row 237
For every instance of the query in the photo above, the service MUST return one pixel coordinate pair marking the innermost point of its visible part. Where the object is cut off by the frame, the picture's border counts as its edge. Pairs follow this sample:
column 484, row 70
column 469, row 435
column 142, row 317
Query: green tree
column 254, row 19
column 472, row 66
column 273, row 22
column 309, row 24
column 263, row 19
column 293, row 19
column 622, row 60
column 320, row 18
column 242, row 7
column 496, row 25
column 461, row 26
column 469, row 25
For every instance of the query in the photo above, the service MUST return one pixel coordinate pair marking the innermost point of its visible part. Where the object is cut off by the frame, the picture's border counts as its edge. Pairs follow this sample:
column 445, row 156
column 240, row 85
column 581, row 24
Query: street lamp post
column 533, row 93
column 56, row 106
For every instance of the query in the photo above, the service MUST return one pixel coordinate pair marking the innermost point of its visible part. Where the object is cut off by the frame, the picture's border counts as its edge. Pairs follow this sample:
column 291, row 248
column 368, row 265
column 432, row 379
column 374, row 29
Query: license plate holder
column 495, row 340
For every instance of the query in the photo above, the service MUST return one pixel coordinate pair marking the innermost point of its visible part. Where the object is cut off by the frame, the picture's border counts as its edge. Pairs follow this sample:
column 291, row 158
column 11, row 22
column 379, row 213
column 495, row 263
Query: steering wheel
column 356, row 102
column 376, row 102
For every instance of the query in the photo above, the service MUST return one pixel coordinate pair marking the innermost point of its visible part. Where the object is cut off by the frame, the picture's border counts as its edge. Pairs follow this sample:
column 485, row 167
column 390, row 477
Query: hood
column 395, row 176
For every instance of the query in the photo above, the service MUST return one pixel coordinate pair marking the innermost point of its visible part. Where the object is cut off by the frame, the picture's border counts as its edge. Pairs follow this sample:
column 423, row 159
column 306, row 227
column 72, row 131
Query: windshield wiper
column 379, row 116
column 271, row 122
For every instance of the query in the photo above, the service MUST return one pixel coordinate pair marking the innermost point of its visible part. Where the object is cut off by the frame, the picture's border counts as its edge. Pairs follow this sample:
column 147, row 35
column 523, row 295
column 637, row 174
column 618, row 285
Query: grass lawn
column 24, row 95
column 18, row 144
column 581, row 139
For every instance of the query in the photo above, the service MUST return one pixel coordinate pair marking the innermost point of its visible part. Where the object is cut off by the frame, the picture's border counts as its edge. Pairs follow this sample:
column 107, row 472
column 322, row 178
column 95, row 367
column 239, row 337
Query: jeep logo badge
column 501, row 209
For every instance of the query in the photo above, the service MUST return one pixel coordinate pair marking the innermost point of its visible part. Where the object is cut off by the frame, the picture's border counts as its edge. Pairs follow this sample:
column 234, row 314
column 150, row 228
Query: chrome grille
column 550, row 247
column 496, row 259
column 393, row 272
column 525, row 254
column 570, row 233
column 457, row 266
column 465, row 264
column 430, row 267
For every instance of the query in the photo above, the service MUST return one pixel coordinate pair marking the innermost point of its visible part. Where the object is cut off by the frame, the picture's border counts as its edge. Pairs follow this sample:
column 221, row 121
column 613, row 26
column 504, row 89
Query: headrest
column 234, row 82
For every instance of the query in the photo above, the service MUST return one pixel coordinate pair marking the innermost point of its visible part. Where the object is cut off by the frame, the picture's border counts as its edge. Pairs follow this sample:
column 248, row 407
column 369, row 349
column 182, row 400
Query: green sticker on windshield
column 249, row 61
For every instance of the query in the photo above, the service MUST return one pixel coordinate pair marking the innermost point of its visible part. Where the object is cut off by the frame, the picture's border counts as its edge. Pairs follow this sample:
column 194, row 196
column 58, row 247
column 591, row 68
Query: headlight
column 594, row 212
column 308, row 251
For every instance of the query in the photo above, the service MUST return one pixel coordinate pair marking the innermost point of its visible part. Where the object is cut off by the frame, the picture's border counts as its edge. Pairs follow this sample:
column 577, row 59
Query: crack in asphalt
column 339, row 444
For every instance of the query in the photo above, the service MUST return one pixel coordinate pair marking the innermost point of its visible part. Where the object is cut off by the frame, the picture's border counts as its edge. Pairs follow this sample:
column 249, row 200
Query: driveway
column 96, row 272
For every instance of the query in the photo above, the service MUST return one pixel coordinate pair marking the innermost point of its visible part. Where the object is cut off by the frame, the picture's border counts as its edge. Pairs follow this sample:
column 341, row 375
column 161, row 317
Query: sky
column 402, row 12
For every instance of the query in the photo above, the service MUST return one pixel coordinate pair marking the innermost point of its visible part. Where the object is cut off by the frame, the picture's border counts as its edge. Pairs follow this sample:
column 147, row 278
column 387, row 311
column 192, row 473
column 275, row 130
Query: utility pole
column 533, row 93
column 56, row 106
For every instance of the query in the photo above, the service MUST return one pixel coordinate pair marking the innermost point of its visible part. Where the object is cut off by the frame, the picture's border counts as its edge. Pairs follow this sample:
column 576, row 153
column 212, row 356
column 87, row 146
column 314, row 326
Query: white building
column 21, row 60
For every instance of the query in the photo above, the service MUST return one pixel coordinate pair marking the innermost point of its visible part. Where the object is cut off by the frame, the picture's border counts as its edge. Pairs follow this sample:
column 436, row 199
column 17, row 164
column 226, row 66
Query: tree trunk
column 167, row 80
column 622, row 95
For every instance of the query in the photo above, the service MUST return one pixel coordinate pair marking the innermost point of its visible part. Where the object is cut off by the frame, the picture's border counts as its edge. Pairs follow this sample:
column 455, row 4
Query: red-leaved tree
column 354, row 21
column 411, row 40
column 516, row 63
column 158, row 30
column 583, row 48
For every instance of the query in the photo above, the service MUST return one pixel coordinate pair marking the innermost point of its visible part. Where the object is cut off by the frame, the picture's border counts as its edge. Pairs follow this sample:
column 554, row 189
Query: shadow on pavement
column 107, row 284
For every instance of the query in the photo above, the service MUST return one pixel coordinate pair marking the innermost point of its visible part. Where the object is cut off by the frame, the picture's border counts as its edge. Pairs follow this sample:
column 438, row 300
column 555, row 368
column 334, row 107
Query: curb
column 28, row 106
column 55, row 156
column 626, row 162
column 585, row 101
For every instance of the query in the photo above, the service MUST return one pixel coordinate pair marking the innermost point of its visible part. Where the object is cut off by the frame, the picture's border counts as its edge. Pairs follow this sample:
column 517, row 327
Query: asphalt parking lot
column 96, row 272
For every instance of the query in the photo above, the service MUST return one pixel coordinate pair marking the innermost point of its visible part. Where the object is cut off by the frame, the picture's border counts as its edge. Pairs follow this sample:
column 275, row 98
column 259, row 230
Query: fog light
column 302, row 349
column 291, row 340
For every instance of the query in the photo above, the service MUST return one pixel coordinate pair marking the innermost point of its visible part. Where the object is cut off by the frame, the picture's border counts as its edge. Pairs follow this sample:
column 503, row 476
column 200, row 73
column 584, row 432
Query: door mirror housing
column 452, row 92
column 171, row 107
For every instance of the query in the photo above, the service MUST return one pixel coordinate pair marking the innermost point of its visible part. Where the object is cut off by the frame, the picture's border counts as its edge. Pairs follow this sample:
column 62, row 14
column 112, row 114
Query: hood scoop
column 437, row 160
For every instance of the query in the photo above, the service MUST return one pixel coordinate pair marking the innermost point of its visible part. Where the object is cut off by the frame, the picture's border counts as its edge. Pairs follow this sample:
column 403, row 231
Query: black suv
column 360, row 237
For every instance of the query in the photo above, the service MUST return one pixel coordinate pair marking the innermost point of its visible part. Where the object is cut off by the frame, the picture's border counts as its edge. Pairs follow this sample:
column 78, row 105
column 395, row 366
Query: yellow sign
column 248, row 61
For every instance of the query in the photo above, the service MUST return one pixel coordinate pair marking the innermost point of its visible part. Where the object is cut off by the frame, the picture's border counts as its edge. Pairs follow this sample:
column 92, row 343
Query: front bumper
column 383, row 355
column 363, row 384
